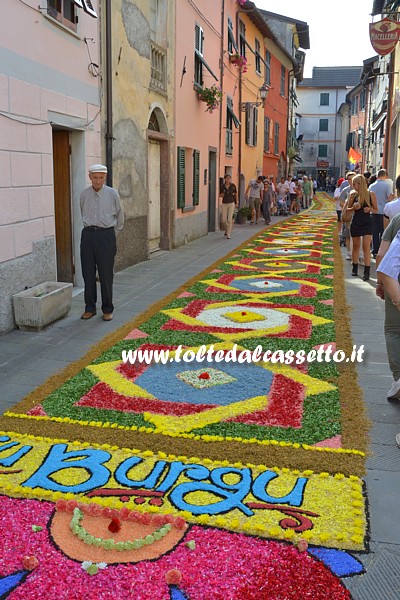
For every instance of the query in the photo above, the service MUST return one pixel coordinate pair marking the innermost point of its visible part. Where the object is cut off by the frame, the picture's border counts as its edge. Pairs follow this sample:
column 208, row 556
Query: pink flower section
column 333, row 442
column 37, row 411
column 186, row 295
column 222, row 566
column 135, row 334
column 327, row 302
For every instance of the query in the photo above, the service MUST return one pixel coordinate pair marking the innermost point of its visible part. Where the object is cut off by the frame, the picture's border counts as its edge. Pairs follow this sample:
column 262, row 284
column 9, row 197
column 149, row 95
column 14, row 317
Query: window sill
column 61, row 25
column 188, row 209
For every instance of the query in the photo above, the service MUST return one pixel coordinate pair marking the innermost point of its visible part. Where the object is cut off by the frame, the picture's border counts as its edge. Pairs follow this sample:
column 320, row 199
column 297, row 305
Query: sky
column 339, row 34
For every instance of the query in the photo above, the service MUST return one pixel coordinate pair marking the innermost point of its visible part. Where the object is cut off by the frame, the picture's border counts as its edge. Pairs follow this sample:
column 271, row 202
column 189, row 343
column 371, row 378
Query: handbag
column 347, row 214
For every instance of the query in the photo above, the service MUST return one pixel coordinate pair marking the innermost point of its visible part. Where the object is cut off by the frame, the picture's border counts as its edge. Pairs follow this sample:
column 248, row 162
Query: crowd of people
column 265, row 198
column 368, row 220
column 368, row 214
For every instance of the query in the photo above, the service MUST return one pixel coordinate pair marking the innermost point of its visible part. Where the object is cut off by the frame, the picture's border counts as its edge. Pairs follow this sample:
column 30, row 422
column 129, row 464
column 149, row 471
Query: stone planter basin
column 42, row 304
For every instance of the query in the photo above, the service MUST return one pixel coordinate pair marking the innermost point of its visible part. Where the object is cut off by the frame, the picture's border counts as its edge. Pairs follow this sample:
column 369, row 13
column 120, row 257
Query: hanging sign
column 384, row 36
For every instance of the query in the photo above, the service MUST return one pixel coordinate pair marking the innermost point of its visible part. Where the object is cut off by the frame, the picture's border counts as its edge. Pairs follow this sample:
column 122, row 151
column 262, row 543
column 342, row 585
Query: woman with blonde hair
column 362, row 203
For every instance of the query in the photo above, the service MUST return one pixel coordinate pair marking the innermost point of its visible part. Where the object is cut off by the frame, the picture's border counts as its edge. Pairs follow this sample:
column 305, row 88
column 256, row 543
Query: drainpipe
column 109, row 122
column 221, row 141
column 334, row 143
column 389, row 114
column 289, row 123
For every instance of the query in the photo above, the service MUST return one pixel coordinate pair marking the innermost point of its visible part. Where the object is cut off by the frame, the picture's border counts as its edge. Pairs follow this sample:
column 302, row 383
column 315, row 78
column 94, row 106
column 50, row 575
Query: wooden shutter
column 196, row 176
column 255, row 125
column 199, row 40
column 248, row 125
column 181, row 177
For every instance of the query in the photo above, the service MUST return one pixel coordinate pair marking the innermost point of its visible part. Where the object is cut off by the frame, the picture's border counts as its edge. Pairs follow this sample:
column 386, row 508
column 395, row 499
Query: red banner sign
column 384, row 36
column 322, row 164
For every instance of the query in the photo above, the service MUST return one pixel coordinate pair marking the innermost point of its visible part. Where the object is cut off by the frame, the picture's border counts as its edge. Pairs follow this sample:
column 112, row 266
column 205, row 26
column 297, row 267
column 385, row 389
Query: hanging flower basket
column 241, row 2
column 239, row 61
column 212, row 96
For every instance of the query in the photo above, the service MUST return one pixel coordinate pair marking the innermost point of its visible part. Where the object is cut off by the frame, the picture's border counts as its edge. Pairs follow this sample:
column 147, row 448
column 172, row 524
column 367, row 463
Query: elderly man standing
column 102, row 215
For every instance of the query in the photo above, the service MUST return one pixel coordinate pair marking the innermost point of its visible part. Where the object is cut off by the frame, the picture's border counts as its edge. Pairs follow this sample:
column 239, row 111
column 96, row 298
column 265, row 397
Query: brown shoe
column 107, row 317
column 87, row 315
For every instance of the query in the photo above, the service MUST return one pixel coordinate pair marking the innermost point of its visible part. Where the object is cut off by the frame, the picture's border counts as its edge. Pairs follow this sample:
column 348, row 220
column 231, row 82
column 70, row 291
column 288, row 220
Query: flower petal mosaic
column 198, row 479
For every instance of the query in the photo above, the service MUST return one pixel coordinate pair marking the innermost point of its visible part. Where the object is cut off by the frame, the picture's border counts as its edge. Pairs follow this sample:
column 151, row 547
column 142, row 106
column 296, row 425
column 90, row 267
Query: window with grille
column 158, row 80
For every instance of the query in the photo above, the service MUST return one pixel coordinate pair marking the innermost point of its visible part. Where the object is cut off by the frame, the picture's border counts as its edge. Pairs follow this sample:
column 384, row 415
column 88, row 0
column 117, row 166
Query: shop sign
column 384, row 36
column 322, row 164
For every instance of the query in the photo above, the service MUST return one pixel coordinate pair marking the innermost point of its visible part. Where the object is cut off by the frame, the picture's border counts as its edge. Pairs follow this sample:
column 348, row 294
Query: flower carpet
column 206, row 479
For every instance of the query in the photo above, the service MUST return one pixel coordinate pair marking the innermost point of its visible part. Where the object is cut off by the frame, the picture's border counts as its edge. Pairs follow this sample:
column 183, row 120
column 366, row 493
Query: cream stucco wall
column 133, row 31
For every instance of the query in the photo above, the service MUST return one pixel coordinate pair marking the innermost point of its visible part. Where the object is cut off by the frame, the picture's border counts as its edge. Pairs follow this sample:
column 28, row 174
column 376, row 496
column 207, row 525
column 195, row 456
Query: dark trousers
column 98, row 249
column 377, row 230
column 266, row 209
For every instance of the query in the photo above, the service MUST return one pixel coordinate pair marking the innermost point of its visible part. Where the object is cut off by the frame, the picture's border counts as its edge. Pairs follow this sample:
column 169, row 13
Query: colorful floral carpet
column 205, row 479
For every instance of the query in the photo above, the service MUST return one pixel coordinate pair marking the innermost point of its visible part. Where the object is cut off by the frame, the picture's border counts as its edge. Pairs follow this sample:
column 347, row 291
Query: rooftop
column 302, row 28
column 333, row 77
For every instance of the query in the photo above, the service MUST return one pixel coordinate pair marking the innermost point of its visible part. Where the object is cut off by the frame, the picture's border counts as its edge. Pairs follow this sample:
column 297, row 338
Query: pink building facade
column 49, row 134
column 197, row 131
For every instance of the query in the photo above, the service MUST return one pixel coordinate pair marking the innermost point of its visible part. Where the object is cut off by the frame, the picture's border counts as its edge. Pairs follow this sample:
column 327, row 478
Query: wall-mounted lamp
column 263, row 92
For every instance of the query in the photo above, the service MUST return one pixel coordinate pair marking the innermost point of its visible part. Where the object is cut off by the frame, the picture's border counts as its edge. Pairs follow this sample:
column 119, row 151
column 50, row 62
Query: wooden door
column 154, row 195
column 62, row 206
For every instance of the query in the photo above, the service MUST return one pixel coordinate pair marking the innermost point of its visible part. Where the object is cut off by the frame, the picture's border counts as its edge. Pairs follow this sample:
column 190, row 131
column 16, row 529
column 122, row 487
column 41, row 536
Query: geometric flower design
column 221, row 319
column 205, row 378
column 263, row 285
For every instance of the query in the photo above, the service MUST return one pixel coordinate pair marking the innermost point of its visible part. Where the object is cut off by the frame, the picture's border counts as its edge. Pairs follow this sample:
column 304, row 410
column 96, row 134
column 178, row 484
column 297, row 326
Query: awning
column 379, row 121
column 201, row 58
column 234, row 117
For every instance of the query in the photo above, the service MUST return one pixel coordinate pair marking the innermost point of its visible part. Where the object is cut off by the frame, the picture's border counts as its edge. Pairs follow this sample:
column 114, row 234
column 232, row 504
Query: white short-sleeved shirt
column 392, row 208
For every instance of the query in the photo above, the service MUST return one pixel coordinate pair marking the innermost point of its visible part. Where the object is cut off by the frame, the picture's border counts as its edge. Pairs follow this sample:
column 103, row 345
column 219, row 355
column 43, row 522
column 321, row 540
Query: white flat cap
column 97, row 169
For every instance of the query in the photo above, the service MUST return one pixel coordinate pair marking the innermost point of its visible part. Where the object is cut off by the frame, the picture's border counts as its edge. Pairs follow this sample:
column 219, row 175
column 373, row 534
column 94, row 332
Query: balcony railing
column 158, row 79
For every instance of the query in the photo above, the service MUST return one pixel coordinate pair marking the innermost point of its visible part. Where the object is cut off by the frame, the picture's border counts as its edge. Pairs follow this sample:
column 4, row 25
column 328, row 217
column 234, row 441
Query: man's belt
column 95, row 228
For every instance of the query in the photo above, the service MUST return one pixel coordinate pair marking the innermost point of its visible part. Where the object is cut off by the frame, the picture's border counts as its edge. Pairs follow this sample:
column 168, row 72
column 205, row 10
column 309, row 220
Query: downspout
column 221, row 144
column 334, row 143
column 389, row 113
column 109, row 112
column 289, row 122
column 364, row 154
column 240, row 126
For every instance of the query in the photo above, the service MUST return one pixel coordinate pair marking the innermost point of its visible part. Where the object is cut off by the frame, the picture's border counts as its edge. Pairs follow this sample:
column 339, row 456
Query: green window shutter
column 196, row 176
column 181, row 177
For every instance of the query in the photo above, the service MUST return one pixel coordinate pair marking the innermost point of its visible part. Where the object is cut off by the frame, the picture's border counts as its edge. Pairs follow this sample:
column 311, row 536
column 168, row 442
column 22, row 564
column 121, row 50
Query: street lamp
column 263, row 92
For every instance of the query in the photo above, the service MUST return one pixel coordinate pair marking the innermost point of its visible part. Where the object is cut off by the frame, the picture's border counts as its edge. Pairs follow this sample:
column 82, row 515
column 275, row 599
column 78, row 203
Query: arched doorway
column 158, row 216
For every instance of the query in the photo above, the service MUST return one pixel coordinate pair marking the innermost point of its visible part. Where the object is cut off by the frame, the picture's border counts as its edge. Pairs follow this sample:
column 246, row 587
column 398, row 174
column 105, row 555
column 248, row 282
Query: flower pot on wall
column 42, row 304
